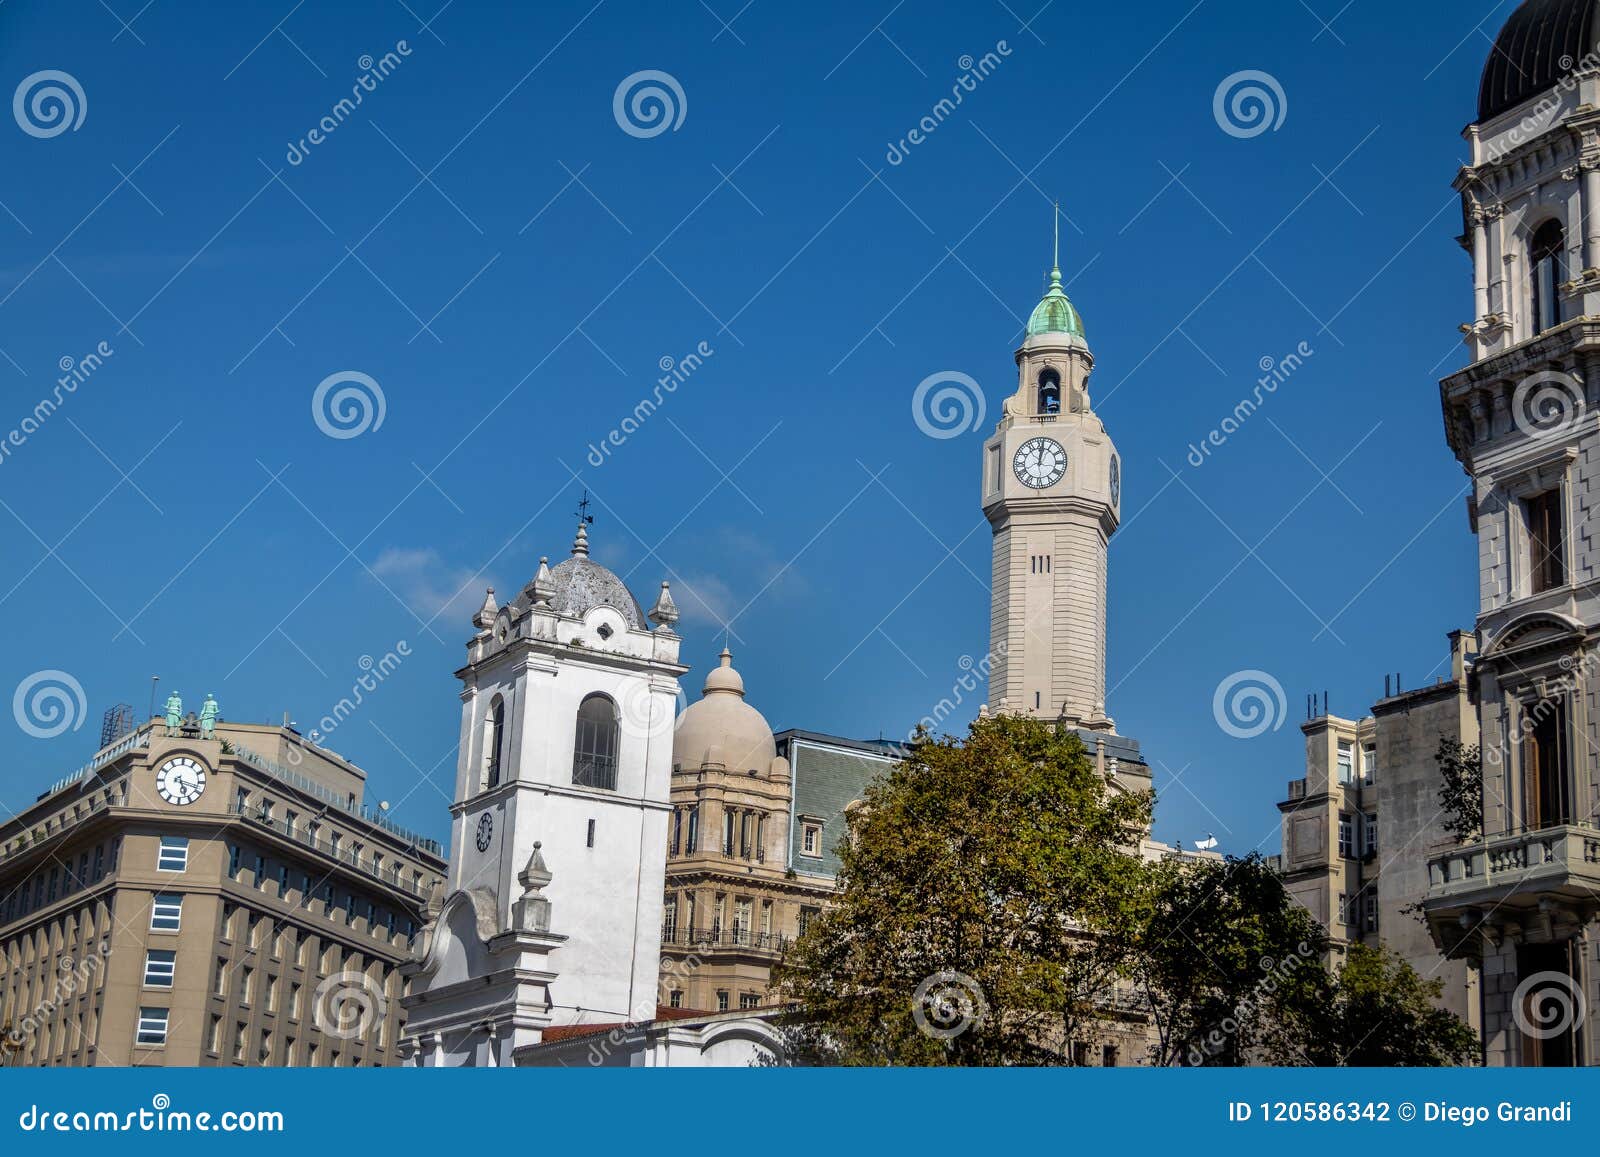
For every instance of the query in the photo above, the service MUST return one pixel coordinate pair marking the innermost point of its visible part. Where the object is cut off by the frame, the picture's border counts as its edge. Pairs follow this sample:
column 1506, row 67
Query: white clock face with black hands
column 1039, row 462
column 485, row 831
column 181, row 780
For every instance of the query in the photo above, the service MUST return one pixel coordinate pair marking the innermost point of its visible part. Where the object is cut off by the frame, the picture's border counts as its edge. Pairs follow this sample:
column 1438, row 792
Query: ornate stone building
column 1522, row 420
column 207, row 896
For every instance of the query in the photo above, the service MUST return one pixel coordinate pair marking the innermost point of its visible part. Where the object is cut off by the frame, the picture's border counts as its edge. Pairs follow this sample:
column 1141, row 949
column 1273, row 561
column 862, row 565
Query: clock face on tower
column 1039, row 462
column 485, row 831
column 1116, row 481
column 180, row 781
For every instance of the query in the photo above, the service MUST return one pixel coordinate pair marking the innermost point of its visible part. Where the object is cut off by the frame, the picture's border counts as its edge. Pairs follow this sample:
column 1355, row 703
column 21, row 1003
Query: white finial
column 485, row 616
column 580, row 544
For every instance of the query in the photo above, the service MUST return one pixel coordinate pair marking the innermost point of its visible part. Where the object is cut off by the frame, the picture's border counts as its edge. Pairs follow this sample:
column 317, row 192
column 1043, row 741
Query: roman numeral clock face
column 1039, row 462
column 180, row 781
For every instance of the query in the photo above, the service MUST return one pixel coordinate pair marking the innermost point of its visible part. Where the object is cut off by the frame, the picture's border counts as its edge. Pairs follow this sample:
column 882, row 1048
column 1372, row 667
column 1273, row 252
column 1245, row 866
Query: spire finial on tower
column 580, row 544
column 1055, row 254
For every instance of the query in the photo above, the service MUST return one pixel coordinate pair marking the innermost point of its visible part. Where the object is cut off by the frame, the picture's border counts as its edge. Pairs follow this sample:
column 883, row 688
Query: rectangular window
column 807, row 915
column 239, row 1033
column 694, row 828
column 589, row 838
column 220, row 988
column 1347, row 836
column 742, row 911
column 166, row 913
column 214, row 1035
column 722, row 1000
column 675, row 999
column 727, row 831
column 669, row 920
column 1370, row 836
column 1372, row 912
column 811, row 839
column 159, row 966
column 1108, row 1056
column 294, row 1001
column 1369, row 762
column 246, row 982
column 174, row 854
column 1546, row 542
column 153, row 1026
column 1346, row 762
column 749, row 1000
column 233, row 861
column 1545, row 798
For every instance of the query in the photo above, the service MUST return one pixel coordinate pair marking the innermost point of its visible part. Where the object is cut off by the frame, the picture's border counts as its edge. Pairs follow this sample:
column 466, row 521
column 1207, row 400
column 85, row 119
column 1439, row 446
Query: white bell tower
column 1052, row 491
column 559, row 831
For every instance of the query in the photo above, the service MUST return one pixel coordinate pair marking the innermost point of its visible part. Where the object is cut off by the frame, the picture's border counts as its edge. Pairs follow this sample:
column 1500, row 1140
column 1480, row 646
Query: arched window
column 494, row 742
column 594, row 749
column 1547, row 268
column 1049, row 392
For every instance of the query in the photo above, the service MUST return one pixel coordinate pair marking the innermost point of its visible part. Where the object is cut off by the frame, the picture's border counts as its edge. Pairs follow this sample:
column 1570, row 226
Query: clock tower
column 1052, row 491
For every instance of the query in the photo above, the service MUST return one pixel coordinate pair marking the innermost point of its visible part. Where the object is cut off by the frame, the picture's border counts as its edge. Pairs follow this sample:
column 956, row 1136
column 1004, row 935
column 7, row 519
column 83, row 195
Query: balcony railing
column 724, row 938
column 1557, row 859
column 301, row 834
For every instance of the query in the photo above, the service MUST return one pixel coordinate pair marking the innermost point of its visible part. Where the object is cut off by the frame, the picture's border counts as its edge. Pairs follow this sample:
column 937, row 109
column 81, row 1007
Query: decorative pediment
column 458, row 937
column 1536, row 629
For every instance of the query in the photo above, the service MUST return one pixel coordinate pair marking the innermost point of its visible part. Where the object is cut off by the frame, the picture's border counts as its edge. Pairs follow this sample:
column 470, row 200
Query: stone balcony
column 1528, row 887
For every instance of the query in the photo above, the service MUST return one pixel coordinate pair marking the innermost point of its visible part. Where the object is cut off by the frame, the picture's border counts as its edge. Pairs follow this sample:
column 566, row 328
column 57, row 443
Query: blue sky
column 482, row 239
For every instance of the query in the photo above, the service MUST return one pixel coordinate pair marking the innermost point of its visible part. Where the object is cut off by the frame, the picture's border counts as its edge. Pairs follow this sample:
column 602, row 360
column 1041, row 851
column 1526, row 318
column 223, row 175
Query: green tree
column 1461, row 787
column 986, row 899
column 1375, row 1011
column 1224, row 953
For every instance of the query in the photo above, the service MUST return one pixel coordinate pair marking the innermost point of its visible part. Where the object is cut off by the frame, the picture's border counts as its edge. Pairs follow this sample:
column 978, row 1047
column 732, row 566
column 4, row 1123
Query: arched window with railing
column 594, row 748
column 1547, row 270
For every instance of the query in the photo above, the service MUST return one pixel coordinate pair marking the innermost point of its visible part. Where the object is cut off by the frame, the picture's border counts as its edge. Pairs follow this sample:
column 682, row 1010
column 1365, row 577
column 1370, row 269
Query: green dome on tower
column 1054, row 313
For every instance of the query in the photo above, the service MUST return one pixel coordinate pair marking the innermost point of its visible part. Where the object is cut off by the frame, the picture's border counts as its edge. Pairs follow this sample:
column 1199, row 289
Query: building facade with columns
column 1521, row 419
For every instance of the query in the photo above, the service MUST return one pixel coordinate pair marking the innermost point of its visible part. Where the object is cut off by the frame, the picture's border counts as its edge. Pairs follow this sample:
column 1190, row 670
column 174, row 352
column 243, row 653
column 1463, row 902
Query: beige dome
column 723, row 728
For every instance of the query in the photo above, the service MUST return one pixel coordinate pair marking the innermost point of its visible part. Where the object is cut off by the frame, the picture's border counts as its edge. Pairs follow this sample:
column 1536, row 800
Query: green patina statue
column 174, row 713
column 208, row 717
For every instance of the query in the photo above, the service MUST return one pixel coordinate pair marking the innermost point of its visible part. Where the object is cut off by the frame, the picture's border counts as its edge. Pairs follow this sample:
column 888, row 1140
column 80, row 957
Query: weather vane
column 583, row 509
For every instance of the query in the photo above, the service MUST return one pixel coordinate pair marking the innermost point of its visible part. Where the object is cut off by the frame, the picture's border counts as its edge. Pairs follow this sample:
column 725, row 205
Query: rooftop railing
column 319, row 791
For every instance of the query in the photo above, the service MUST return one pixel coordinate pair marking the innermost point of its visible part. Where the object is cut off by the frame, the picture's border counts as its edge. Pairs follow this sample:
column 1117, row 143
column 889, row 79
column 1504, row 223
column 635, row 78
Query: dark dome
column 1543, row 41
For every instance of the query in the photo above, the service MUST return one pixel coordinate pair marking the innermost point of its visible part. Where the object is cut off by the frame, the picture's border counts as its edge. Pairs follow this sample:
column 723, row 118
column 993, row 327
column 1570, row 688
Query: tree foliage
column 985, row 883
column 1375, row 1011
column 1461, row 787
column 1224, row 954
column 993, row 909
